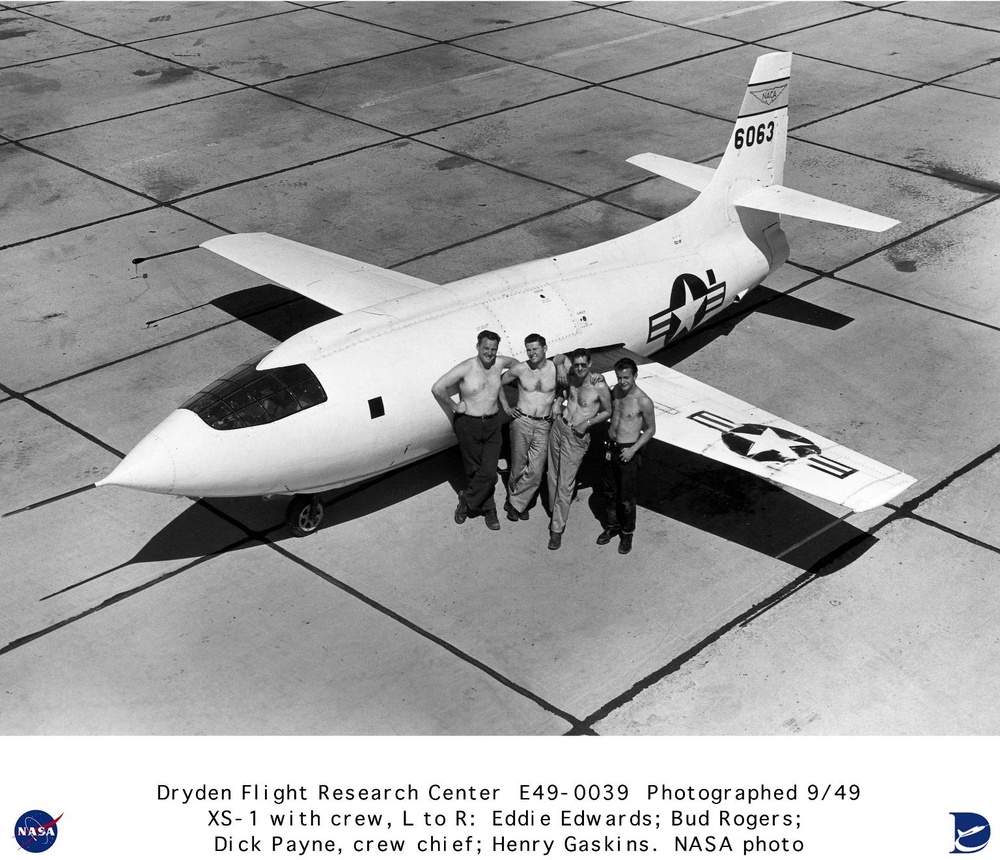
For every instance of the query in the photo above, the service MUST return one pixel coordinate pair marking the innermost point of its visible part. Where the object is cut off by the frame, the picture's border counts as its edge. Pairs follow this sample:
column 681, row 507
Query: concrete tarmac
column 444, row 140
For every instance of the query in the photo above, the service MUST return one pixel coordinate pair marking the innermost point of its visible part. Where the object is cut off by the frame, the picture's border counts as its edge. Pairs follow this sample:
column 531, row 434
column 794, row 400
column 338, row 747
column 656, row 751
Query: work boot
column 606, row 535
column 511, row 511
column 555, row 540
column 492, row 522
column 625, row 544
column 462, row 511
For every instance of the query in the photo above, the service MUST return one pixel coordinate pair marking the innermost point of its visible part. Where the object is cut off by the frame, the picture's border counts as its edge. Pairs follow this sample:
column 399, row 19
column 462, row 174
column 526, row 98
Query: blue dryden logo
column 36, row 831
column 972, row 832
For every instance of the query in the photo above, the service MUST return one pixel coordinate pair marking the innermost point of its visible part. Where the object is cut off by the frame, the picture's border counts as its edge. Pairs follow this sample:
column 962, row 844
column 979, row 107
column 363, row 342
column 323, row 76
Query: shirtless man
column 529, row 429
column 476, row 419
column 587, row 402
column 633, row 423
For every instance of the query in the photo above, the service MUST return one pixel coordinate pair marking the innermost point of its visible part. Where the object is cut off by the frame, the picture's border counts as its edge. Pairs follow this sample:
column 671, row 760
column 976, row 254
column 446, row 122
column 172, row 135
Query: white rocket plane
column 329, row 407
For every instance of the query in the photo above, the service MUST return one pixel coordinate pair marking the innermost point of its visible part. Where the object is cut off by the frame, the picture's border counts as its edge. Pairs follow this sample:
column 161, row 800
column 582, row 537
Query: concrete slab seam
column 125, row 115
column 677, row 662
column 437, row 640
column 87, row 225
column 901, row 10
column 911, row 506
column 954, row 533
column 143, row 352
column 861, row 11
column 111, row 601
column 911, row 302
column 813, row 573
column 335, row 11
column 27, row 401
column 26, row 10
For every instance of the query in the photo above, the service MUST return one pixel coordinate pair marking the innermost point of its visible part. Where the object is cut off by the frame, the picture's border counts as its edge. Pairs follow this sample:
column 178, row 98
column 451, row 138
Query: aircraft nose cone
column 149, row 466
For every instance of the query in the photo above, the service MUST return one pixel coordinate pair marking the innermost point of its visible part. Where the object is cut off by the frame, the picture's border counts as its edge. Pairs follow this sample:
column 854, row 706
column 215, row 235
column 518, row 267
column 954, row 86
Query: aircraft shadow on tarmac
column 762, row 300
column 681, row 486
column 743, row 509
column 274, row 310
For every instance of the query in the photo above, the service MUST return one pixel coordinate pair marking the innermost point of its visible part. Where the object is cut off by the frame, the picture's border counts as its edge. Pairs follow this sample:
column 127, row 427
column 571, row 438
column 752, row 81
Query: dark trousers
column 479, row 441
column 620, row 485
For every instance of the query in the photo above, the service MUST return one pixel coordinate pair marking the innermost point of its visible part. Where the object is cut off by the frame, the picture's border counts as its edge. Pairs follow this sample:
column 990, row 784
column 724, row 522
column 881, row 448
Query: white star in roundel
column 771, row 442
column 685, row 315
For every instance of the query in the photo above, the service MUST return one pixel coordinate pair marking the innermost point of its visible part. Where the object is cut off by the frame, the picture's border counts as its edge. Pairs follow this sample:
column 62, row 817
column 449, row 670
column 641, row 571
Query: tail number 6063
column 754, row 134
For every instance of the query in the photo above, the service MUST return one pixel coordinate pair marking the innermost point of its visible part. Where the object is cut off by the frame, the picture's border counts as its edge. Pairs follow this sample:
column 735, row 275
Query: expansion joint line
column 841, row 555
column 116, row 598
column 27, row 401
column 431, row 637
column 263, row 537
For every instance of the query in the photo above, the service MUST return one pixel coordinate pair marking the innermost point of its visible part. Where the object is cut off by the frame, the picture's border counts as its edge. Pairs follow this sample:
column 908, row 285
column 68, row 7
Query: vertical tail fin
column 752, row 169
column 756, row 152
column 755, row 156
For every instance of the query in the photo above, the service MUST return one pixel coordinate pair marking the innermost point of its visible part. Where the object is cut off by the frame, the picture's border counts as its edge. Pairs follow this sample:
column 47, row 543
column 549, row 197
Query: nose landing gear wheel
column 305, row 514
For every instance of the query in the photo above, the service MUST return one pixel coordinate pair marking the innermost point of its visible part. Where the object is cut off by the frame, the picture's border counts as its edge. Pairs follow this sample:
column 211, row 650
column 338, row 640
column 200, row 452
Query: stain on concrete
column 165, row 76
column 957, row 178
column 920, row 251
column 451, row 162
column 267, row 67
column 166, row 185
column 26, row 84
column 12, row 34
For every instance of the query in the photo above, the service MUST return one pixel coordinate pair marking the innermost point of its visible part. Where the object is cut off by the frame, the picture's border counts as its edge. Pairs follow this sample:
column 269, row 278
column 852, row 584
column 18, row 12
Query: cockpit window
column 247, row 397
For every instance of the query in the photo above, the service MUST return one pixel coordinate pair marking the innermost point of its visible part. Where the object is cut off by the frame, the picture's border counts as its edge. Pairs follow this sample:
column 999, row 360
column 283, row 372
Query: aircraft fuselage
column 376, row 365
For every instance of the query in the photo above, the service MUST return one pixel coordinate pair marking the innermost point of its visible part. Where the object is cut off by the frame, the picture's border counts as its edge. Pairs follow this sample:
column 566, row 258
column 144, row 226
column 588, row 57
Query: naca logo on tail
column 770, row 95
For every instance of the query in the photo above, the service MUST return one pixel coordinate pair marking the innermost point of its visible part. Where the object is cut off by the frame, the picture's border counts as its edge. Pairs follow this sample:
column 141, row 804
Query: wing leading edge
column 704, row 420
column 339, row 283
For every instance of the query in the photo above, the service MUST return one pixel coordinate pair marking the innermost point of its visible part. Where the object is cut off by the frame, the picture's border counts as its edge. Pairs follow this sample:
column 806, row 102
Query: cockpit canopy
column 247, row 397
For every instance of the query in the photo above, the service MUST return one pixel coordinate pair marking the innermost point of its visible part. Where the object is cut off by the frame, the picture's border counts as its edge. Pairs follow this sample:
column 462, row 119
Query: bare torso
column 479, row 386
column 583, row 400
column 626, row 415
column 536, row 388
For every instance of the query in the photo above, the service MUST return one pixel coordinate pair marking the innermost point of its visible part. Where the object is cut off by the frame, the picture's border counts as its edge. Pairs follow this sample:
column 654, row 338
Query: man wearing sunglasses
column 584, row 402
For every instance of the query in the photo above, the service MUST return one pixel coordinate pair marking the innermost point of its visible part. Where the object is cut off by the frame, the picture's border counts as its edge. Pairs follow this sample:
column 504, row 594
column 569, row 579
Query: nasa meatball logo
column 36, row 831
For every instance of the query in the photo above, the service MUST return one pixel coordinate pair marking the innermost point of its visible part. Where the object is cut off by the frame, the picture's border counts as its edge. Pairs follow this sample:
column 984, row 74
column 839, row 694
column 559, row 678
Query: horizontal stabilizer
column 339, row 283
column 684, row 173
column 786, row 201
column 706, row 421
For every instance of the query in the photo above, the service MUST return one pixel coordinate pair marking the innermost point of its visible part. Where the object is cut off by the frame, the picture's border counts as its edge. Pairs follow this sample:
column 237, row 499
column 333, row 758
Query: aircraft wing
column 702, row 419
column 337, row 282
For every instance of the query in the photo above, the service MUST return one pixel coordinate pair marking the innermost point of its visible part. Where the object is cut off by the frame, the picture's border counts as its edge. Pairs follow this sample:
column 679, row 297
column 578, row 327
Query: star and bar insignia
column 766, row 443
column 691, row 300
